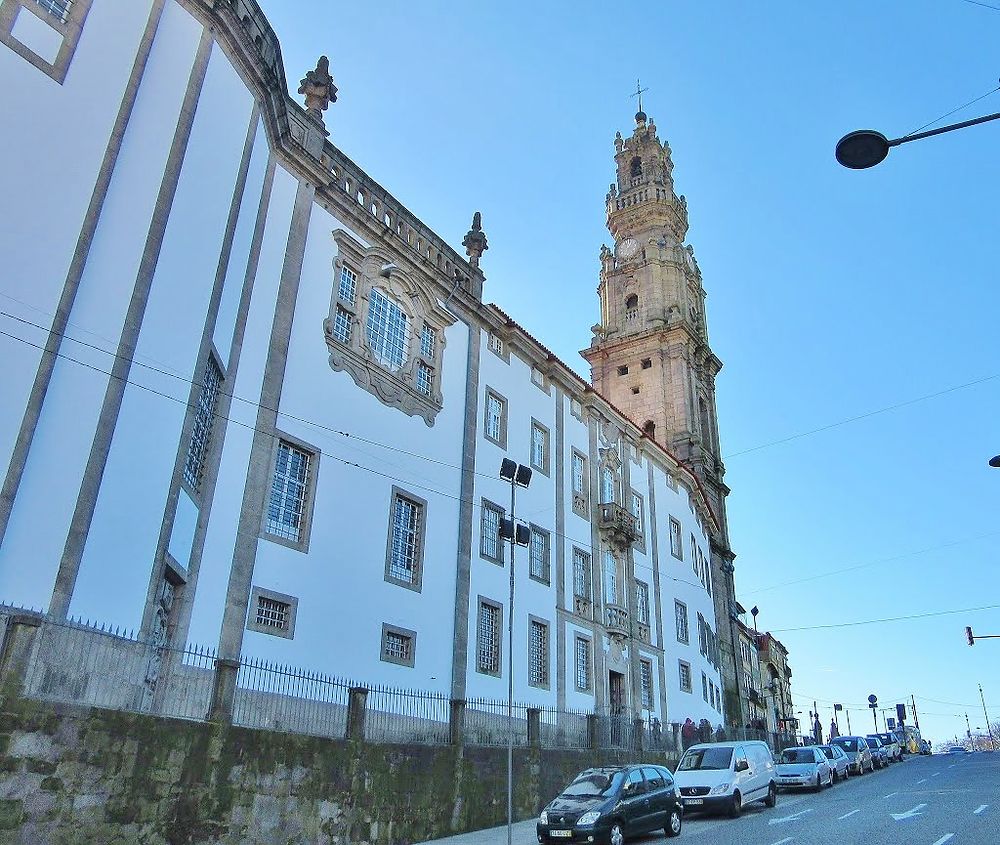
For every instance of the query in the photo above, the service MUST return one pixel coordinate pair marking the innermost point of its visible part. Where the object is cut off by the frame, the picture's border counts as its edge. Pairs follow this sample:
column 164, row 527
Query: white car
column 726, row 776
column 839, row 761
column 804, row 767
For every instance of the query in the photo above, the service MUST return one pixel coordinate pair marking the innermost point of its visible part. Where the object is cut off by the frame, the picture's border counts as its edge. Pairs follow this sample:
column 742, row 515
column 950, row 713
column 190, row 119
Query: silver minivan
column 726, row 776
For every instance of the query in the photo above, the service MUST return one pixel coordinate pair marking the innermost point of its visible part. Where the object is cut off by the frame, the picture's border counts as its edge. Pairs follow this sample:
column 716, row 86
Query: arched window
column 631, row 302
column 636, row 168
column 650, row 429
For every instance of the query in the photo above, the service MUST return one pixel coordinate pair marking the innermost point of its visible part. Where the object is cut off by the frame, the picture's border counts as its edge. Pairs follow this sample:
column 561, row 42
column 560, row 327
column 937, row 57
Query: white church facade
column 251, row 401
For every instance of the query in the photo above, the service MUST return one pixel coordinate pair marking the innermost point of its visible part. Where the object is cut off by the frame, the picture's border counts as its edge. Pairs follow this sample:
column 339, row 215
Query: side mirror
column 742, row 765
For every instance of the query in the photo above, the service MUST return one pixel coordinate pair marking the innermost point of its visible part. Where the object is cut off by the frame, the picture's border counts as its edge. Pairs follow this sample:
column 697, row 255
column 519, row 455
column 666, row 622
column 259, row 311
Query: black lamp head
column 523, row 478
column 508, row 469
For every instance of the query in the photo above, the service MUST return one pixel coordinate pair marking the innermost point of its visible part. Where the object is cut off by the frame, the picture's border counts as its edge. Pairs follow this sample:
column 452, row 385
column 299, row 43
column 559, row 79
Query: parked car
column 726, row 776
column 858, row 753
column 956, row 749
column 609, row 804
column 892, row 746
column 925, row 747
column 804, row 767
column 838, row 760
column 880, row 756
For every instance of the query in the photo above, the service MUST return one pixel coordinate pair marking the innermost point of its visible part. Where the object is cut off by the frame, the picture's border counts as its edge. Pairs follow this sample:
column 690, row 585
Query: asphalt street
column 939, row 800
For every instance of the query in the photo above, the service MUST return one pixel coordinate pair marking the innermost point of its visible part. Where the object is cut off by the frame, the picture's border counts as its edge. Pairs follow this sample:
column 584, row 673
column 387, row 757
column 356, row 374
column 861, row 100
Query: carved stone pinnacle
column 475, row 240
column 318, row 87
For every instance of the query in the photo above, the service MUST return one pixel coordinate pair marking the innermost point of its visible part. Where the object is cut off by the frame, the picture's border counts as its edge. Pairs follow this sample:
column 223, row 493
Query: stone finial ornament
column 475, row 240
column 318, row 87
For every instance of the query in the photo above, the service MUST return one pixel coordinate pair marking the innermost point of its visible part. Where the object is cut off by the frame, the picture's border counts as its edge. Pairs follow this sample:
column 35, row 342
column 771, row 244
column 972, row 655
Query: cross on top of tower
column 640, row 116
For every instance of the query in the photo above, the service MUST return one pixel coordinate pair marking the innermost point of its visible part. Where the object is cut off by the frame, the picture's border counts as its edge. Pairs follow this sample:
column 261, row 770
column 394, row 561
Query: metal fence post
column 22, row 631
column 593, row 731
column 223, row 690
column 639, row 731
column 456, row 721
column 534, row 726
column 357, row 704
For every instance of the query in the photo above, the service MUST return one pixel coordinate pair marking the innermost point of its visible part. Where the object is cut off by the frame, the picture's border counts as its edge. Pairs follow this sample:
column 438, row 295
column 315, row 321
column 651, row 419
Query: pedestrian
column 688, row 733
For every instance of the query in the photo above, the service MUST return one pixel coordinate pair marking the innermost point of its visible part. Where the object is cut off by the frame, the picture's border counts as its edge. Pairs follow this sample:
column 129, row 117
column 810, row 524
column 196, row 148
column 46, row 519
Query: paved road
column 938, row 800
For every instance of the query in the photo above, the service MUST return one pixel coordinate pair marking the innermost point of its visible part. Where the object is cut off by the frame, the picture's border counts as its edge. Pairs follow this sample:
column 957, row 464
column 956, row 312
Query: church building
column 252, row 401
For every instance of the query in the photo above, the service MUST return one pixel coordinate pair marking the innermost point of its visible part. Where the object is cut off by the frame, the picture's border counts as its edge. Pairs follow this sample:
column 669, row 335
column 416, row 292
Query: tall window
column 348, row 284
column 581, row 574
column 488, row 638
column 694, row 554
column 496, row 419
column 642, row 602
column 539, row 447
column 681, row 617
column 201, row 430
column 637, row 512
column 388, row 329
column 428, row 341
column 582, row 659
column 676, row 543
column 704, row 686
column 405, row 547
column 684, row 675
column 425, row 378
column 287, row 506
column 342, row 325
column 610, row 578
column 538, row 555
column 538, row 653
column 579, row 473
column 608, row 486
column 646, row 683
column 702, row 635
column 489, row 532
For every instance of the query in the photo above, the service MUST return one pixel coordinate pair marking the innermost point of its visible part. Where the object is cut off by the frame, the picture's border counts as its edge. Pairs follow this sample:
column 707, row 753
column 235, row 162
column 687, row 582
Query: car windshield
column 873, row 742
column 595, row 783
column 827, row 750
column 849, row 744
column 886, row 739
column 798, row 755
column 956, row 748
column 706, row 758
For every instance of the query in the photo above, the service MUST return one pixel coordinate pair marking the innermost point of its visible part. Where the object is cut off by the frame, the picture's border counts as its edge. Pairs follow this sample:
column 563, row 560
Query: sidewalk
column 522, row 833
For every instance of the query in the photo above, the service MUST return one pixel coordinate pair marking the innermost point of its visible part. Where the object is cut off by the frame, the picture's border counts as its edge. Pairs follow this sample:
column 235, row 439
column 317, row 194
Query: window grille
column 387, row 330
column 496, row 344
column 488, row 646
column 608, row 486
column 642, row 602
column 646, row 683
column 398, row 647
column 201, row 430
column 272, row 614
column 286, row 510
column 539, row 448
column 676, row 544
column 610, row 578
column 684, row 672
column 579, row 473
column 428, row 341
column 342, row 325
column 494, row 417
column 404, row 556
column 637, row 511
column 57, row 8
column 538, row 556
column 538, row 654
column 489, row 532
column 348, row 285
column 581, row 574
column 582, row 664
column 681, row 615
column 425, row 378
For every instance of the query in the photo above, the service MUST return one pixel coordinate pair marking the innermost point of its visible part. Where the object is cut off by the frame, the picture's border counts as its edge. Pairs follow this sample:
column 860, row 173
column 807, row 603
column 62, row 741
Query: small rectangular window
column 539, row 447
column 398, row 645
column 538, row 653
column 495, row 422
column 642, row 602
column 538, row 555
column 676, row 543
column 582, row 659
column 646, row 363
column 428, row 341
column 681, row 616
column 488, row 638
column 204, row 422
column 489, row 532
column 623, row 370
column 637, row 513
column 580, row 480
column 704, row 686
column 646, row 683
column 289, row 503
column 404, row 555
column 496, row 345
column 425, row 378
column 271, row 613
column 342, row 325
column 684, row 674
column 581, row 574
column 348, row 284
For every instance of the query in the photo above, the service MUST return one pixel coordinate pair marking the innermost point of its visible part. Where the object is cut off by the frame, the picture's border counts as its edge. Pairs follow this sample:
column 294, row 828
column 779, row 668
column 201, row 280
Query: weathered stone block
column 11, row 814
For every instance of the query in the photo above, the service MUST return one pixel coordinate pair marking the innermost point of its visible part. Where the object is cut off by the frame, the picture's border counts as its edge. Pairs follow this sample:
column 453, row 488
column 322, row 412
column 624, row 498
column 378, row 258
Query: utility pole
column 848, row 714
column 968, row 727
column 986, row 716
column 916, row 720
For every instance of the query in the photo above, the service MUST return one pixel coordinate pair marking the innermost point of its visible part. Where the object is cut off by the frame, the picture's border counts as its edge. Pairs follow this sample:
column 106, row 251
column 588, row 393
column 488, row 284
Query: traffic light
column 968, row 635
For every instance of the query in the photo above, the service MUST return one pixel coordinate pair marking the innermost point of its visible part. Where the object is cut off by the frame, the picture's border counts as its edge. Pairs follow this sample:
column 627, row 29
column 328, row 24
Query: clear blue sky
column 832, row 293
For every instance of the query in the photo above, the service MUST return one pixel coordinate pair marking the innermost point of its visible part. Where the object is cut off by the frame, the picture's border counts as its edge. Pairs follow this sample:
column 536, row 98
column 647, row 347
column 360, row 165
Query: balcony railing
column 616, row 619
column 618, row 522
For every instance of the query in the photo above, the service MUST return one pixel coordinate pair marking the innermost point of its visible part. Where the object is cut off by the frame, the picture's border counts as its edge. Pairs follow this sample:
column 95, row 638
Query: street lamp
column 519, row 535
column 865, row 147
column 995, row 461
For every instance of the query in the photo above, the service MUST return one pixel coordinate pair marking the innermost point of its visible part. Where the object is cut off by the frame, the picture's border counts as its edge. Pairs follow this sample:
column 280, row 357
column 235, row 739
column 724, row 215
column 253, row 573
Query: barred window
column 681, row 614
column 642, row 602
column 272, row 614
column 702, row 635
column 489, row 532
column 539, row 447
column 488, row 638
column 428, row 341
column 704, row 686
column 538, row 654
column 538, row 555
column 608, row 486
column 495, row 418
column 201, row 430
column 646, row 683
column 57, row 8
column 582, row 654
column 387, row 330
column 676, row 543
column 581, row 574
column 610, row 578
column 287, row 506
column 694, row 554
column 405, row 551
column 637, row 512
column 425, row 378
column 348, row 284
column 684, row 674
column 579, row 472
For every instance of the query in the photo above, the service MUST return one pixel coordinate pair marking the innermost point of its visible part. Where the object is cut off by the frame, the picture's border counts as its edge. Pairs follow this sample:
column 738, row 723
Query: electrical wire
column 888, row 619
column 948, row 114
column 984, row 5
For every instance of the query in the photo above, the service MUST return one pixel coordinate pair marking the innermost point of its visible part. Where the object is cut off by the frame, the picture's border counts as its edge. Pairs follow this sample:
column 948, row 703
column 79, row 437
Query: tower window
column 646, row 363
column 650, row 429
column 636, row 169
column 631, row 301
column 623, row 370
column 635, row 391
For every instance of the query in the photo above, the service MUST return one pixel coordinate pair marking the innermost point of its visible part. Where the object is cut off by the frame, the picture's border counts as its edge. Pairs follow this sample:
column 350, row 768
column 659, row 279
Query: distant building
column 250, row 399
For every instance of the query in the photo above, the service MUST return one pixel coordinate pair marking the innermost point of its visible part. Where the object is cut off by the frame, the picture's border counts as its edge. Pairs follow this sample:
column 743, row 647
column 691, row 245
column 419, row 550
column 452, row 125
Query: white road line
column 980, row 810
column 891, row 794
column 848, row 814
column 935, row 774
column 944, row 839
column 922, row 780
column 782, row 841
column 952, row 766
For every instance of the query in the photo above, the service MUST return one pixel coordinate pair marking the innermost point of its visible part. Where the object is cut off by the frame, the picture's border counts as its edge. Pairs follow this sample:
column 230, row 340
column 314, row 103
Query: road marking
column 944, row 839
column 891, row 794
column 980, row 810
column 782, row 841
column 848, row 814
column 909, row 814
column 935, row 774
column 952, row 766
column 922, row 780
column 794, row 817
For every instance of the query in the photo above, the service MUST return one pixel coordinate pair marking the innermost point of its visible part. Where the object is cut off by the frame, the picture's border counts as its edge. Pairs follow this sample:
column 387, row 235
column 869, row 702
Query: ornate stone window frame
column 67, row 30
column 417, row 299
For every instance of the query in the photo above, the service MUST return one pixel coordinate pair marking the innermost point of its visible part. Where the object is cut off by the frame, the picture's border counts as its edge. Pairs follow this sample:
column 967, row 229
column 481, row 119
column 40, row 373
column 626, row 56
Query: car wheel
column 834, row 777
column 617, row 835
column 772, row 795
column 819, row 783
column 736, row 806
column 674, row 822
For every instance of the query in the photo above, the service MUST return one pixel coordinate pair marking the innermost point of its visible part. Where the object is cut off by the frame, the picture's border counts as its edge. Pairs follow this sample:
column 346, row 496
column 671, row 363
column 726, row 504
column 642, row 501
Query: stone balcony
column 618, row 523
column 616, row 619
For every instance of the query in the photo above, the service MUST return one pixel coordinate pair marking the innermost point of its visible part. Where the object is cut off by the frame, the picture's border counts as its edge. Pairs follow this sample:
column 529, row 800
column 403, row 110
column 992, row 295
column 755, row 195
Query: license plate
column 694, row 800
column 561, row 833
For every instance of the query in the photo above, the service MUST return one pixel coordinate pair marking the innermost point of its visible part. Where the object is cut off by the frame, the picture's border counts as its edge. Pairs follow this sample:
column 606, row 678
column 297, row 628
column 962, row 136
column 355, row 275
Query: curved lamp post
column 995, row 461
column 866, row 147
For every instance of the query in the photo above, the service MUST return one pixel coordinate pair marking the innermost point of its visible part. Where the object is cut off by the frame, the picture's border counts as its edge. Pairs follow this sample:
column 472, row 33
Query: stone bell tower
column 650, row 353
